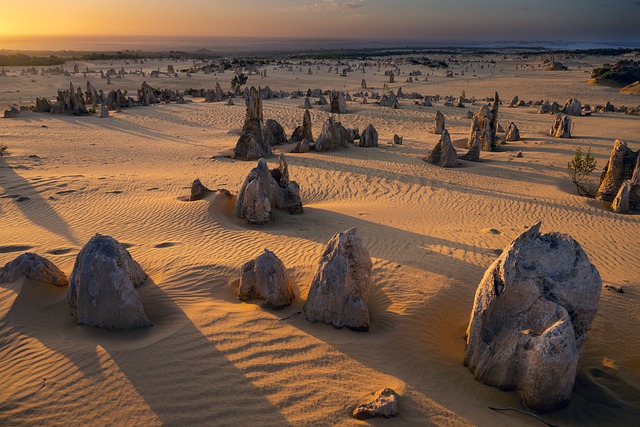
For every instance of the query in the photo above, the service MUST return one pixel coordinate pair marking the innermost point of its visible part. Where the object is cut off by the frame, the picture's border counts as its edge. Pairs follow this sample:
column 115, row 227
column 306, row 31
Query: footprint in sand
column 14, row 248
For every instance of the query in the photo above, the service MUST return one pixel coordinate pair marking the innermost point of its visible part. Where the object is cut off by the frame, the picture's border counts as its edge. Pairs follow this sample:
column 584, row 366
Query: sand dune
column 211, row 359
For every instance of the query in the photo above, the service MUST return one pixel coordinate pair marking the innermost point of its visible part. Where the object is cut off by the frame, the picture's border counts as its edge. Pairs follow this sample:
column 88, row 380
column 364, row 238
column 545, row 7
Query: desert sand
column 211, row 359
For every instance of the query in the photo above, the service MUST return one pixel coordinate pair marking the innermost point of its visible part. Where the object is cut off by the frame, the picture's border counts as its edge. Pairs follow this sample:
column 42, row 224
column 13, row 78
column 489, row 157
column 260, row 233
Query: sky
column 593, row 20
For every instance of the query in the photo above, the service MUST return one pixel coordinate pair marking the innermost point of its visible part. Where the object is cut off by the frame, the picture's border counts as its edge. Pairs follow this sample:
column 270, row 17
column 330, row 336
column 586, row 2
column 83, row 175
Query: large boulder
column 369, row 137
column 333, row 136
column 623, row 165
column 34, row 267
column 444, row 154
column 530, row 318
column 561, row 127
column 266, row 278
column 103, row 286
column 438, row 124
column 338, row 103
column 274, row 133
column 572, row 107
column 389, row 99
column 264, row 190
column 340, row 288
column 513, row 133
column 303, row 132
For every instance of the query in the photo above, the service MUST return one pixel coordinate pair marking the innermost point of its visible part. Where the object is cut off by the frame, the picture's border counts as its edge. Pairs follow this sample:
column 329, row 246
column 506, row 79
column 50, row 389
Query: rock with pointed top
column 303, row 132
column 264, row 190
column 530, row 319
column 481, row 130
column 338, row 102
column 438, row 125
column 620, row 203
column 513, row 133
column 363, row 84
column 268, row 279
column 253, row 142
column 369, row 137
column 389, row 100
column 34, row 267
column 340, row 288
column 198, row 191
column 572, row 107
column 103, row 286
column 392, row 77
column 307, row 103
column 397, row 140
column 561, row 127
column 274, row 133
column 333, row 136
column 444, row 154
column 514, row 102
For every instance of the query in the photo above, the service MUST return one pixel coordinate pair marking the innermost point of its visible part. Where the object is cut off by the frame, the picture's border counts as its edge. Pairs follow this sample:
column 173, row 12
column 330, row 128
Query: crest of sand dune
column 211, row 359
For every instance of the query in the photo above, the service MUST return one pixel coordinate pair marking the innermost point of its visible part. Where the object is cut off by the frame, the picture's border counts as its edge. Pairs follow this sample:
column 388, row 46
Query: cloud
column 324, row 5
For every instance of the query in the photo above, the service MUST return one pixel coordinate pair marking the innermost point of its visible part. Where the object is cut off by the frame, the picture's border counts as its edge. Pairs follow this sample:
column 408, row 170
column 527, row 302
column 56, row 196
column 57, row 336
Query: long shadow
column 42, row 214
column 176, row 369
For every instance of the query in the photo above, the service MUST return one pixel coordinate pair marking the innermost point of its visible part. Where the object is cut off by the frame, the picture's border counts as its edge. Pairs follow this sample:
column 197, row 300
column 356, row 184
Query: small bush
column 579, row 169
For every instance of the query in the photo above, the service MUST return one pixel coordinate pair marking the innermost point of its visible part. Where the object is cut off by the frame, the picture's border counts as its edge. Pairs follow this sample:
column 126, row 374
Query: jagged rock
column 444, row 154
column 43, row 105
column 554, row 108
column 93, row 96
column 148, row 95
column 514, row 102
column 34, row 267
column 333, row 136
column 469, row 115
column 369, row 137
column 180, row 99
column 274, row 133
column 389, row 100
column 473, row 155
column 103, row 286
column 620, row 203
column 623, row 164
column 303, row 132
column 253, row 143
column 230, row 101
column 322, row 100
column 340, row 288
column 338, row 103
column 531, row 314
column 198, row 191
column 384, row 405
column 307, row 103
column 264, row 190
column 609, row 108
column 397, row 140
column 363, row 84
column 545, row 108
column 513, row 133
column 12, row 112
column 561, row 127
column 482, row 130
column 572, row 107
column 266, row 278
column 302, row 147
column 459, row 103
column 104, row 111
column 438, row 125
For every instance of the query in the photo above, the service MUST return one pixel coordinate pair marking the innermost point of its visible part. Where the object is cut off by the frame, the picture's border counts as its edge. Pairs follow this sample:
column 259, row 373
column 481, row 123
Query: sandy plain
column 211, row 359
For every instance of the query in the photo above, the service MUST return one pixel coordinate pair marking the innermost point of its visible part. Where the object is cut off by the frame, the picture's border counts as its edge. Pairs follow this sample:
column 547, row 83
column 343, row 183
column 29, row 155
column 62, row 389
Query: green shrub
column 579, row 169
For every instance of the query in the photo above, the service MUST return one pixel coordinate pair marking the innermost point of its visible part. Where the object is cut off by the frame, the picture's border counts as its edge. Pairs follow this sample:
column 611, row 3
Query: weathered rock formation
column 383, row 405
column 34, row 267
column 623, row 166
column 103, row 286
column 198, row 191
column 303, row 146
column 531, row 314
column 307, row 103
column 513, row 133
column 444, row 154
column 514, row 102
column 483, row 129
column 389, row 99
column 333, row 136
column 338, row 102
column 303, row 132
column 253, row 143
column 561, row 127
column 340, row 288
column 369, row 137
column 104, row 112
column 572, row 107
column 438, row 125
column 397, row 140
column 264, row 190
column 274, row 133
column 266, row 278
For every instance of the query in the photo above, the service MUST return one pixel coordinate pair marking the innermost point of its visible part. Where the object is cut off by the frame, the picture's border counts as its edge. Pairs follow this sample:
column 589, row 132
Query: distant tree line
column 22, row 60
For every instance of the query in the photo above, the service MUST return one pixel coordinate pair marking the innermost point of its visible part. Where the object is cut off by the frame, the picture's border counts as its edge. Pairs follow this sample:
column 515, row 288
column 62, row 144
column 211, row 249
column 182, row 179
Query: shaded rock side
column 444, row 153
column 513, row 133
column 482, row 130
column 369, row 137
column 338, row 103
column 266, row 278
column 561, row 127
column 198, row 191
column 340, row 288
column 572, row 107
column 303, row 132
column 34, row 267
column 530, row 318
column 103, row 286
column 438, row 125
column 274, row 133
